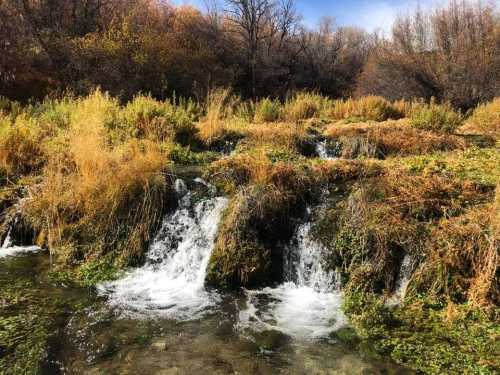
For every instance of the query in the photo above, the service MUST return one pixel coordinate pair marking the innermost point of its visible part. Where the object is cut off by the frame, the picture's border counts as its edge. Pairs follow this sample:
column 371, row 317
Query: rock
column 159, row 345
column 271, row 340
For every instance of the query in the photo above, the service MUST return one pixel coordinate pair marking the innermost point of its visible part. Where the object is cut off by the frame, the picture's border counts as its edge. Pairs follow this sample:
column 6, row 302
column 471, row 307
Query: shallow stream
column 161, row 319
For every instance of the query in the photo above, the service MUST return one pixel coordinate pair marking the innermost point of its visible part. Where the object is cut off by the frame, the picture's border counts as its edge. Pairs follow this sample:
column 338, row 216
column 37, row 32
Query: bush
column 20, row 146
column 434, row 117
column 267, row 110
column 372, row 108
column 485, row 119
column 213, row 126
column 303, row 106
column 148, row 118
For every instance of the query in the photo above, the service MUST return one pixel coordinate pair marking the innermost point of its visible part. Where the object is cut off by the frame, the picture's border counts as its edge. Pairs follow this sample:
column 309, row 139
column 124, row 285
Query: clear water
column 171, row 283
column 308, row 305
column 402, row 282
column 160, row 319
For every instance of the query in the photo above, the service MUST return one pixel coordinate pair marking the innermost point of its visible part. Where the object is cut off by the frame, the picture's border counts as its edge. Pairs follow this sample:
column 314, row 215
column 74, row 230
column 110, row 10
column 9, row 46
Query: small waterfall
column 308, row 304
column 402, row 282
column 9, row 249
column 171, row 283
column 324, row 151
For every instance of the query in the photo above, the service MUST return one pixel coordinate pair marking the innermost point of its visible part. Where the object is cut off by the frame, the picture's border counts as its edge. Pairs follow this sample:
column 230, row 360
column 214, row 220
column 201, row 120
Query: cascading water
column 402, row 282
column 325, row 152
column 9, row 249
column 171, row 283
column 308, row 304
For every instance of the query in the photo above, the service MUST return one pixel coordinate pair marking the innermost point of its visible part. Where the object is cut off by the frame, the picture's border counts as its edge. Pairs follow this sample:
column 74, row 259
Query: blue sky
column 369, row 14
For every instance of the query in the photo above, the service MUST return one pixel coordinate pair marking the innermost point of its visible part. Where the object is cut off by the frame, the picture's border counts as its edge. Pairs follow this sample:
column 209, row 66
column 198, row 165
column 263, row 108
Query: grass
column 391, row 138
column 97, row 175
column 485, row 120
column 372, row 108
column 435, row 117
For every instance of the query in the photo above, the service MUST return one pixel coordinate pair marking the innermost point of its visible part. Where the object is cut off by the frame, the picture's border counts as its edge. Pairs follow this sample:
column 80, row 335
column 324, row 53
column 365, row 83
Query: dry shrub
column 408, row 107
column 95, row 197
column 287, row 135
column 366, row 108
column 244, row 169
column 145, row 117
column 20, row 146
column 463, row 258
column 213, row 126
column 390, row 138
column 247, row 240
column 267, row 110
column 396, row 213
column 336, row 171
column 303, row 106
column 485, row 120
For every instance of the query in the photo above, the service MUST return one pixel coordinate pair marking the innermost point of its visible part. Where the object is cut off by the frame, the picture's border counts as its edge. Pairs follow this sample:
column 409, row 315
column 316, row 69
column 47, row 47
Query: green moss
column 476, row 164
column 95, row 271
column 246, row 252
column 186, row 156
column 419, row 336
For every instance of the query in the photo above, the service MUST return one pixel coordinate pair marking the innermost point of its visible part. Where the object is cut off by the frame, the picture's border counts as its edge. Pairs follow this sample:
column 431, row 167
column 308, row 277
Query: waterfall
column 307, row 305
column 9, row 249
column 325, row 152
column 171, row 283
column 402, row 282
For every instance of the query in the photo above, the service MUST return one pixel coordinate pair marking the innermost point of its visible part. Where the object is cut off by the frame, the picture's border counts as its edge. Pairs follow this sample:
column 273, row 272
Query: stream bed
column 161, row 318
column 87, row 335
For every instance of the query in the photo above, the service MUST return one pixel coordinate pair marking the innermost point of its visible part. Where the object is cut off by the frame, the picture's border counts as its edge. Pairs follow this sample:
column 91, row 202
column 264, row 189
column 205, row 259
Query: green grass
column 481, row 165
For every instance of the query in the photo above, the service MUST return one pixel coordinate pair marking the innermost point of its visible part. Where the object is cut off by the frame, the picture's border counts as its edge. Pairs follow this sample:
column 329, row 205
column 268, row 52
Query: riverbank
column 93, row 182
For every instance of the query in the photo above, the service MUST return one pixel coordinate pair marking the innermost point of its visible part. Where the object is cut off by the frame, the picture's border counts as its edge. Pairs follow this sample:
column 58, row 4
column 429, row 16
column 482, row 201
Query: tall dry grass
column 485, row 120
column 97, row 195
column 372, row 108
column 213, row 125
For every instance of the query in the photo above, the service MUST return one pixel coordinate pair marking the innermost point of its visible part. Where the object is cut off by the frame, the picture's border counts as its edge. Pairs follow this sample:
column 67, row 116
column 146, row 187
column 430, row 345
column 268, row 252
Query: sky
column 368, row 14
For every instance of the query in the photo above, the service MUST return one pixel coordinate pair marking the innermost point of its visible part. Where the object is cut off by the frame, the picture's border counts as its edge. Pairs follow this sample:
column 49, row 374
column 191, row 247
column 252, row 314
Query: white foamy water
column 307, row 305
column 171, row 283
column 8, row 249
column 402, row 282
column 323, row 152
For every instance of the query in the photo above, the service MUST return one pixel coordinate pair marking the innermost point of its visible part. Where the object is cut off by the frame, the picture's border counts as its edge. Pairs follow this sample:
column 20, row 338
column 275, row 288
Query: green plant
column 267, row 110
column 435, row 117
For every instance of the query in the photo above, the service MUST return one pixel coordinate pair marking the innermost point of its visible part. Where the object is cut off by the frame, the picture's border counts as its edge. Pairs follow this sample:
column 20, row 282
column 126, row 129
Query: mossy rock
column 247, row 251
column 271, row 340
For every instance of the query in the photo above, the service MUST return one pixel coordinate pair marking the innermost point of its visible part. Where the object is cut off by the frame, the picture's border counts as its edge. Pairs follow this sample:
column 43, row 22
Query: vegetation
column 410, row 125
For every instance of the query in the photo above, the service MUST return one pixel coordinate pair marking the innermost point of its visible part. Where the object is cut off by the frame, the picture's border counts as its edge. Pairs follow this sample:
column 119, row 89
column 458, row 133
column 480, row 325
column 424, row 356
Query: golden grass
column 390, row 138
column 366, row 108
column 95, row 195
column 214, row 126
column 485, row 120
column 20, row 146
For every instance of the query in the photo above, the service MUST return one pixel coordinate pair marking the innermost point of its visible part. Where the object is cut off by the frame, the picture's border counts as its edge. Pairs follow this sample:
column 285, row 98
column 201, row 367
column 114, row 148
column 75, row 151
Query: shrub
column 213, row 126
column 267, row 110
column 95, row 198
column 148, row 118
column 485, row 119
column 435, row 117
column 303, row 106
column 372, row 108
column 20, row 146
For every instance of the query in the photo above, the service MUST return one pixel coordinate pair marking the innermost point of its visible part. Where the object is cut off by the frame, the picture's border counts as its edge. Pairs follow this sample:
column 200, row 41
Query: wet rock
column 271, row 340
column 346, row 335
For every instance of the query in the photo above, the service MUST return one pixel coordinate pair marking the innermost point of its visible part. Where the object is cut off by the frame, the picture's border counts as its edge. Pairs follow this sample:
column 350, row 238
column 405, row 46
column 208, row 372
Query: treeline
column 257, row 47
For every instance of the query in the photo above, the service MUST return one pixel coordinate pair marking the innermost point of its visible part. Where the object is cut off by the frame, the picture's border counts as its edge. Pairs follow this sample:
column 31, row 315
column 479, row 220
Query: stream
column 161, row 319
